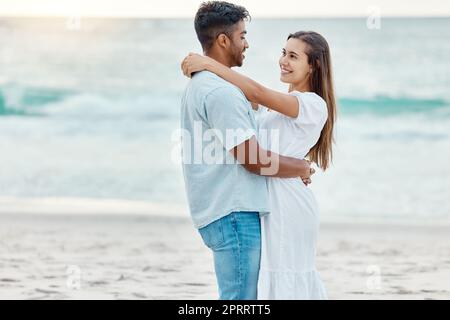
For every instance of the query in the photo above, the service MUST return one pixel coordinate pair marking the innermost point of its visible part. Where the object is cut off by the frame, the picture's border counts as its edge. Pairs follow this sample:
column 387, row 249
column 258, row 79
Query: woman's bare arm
column 278, row 101
column 255, row 92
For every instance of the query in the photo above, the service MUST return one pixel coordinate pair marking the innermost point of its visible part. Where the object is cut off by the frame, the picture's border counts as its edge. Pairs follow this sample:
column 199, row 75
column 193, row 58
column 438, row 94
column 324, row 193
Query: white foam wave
column 72, row 205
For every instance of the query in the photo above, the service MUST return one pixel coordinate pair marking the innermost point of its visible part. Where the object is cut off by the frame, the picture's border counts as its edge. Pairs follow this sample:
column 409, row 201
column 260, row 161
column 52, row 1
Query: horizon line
column 192, row 17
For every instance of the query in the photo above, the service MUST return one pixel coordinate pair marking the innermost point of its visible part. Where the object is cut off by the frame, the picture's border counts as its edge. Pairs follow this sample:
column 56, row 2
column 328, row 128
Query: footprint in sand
column 9, row 280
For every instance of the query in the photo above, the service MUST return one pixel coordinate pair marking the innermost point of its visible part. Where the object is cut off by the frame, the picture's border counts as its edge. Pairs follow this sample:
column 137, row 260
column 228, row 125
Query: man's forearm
column 285, row 167
column 266, row 163
column 274, row 165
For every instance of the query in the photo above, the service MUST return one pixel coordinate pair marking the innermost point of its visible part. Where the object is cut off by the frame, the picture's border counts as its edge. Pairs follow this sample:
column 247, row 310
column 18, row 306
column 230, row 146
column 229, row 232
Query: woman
column 304, row 117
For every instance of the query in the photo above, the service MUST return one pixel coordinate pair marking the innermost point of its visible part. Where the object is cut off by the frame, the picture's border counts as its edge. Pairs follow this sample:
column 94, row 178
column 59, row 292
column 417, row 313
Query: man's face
column 238, row 45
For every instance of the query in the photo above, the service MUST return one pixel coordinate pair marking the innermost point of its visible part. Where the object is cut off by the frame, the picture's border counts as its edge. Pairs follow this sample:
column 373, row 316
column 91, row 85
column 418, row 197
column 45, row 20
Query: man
column 228, row 195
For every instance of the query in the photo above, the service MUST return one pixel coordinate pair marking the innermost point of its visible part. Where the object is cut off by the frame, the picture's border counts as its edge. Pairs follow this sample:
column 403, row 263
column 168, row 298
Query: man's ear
column 223, row 41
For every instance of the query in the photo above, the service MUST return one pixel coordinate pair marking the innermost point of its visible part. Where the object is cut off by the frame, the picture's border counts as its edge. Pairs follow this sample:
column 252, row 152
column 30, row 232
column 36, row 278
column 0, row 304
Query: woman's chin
column 283, row 79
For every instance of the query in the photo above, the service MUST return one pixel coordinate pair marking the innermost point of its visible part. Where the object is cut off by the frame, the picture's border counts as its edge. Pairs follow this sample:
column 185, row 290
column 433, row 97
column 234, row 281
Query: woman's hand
column 194, row 63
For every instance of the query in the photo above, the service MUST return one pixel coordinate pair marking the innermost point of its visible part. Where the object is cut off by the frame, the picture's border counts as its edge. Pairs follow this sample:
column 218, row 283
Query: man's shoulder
column 212, row 85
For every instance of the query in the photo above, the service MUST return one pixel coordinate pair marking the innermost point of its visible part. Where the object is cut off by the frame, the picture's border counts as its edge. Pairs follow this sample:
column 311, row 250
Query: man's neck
column 219, row 58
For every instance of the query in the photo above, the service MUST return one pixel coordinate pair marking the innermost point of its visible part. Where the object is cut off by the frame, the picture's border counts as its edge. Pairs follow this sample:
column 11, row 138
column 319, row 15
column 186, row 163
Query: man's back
column 218, row 117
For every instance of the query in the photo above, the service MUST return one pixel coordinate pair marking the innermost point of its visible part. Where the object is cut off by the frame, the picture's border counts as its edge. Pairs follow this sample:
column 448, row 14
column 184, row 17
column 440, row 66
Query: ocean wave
column 391, row 105
column 32, row 101
column 27, row 101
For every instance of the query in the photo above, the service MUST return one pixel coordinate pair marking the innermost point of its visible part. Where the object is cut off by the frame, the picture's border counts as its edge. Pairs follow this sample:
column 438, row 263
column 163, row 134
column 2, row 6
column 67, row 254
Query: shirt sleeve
column 261, row 109
column 228, row 114
column 260, row 113
column 312, row 109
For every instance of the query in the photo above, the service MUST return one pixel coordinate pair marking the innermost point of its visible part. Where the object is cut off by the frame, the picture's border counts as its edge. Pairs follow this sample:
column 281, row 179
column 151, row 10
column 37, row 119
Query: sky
column 257, row 8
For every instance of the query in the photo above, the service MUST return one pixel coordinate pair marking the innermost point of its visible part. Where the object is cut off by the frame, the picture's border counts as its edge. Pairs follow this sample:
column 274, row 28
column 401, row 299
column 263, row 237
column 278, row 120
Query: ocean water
column 88, row 111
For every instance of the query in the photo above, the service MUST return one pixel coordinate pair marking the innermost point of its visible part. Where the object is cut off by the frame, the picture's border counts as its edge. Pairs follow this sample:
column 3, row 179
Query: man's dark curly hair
column 216, row 17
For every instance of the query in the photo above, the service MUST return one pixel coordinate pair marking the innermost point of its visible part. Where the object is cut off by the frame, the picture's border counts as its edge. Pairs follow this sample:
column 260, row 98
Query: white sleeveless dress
column 289, row 233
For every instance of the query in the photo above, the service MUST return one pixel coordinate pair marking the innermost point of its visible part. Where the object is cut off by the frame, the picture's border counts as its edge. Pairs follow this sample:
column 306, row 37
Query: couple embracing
column 252, row 205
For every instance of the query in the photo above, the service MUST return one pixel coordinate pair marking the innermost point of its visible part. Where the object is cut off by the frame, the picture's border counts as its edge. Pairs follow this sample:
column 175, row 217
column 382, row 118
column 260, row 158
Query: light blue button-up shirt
column 216, row 117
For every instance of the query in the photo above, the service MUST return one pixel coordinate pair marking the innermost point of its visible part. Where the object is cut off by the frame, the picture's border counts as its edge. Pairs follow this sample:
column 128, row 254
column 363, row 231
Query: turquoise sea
column 87, row 110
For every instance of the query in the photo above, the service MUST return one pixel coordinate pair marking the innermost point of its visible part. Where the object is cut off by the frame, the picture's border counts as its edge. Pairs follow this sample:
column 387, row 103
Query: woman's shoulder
column 311, row 96
column 311, row 99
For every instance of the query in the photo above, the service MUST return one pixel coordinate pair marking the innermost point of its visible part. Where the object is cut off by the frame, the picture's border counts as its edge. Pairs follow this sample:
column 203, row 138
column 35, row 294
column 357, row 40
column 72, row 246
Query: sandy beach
column 135, row 256
column 93, row 202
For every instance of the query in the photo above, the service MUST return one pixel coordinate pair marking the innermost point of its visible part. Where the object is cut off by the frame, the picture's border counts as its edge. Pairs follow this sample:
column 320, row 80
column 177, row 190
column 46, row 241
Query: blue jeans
column 235, row 241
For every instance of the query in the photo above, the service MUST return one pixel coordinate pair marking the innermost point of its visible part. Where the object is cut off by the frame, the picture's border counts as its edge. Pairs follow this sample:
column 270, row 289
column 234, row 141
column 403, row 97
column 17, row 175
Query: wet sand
column 69, row 256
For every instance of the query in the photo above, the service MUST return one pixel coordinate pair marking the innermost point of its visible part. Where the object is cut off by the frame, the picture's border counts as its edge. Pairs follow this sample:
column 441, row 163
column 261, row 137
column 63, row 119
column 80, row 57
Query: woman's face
column 294, row 65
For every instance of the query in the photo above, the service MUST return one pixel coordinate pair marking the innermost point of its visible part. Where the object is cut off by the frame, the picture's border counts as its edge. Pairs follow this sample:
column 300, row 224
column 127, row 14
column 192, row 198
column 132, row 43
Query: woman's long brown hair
column 321, row 83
